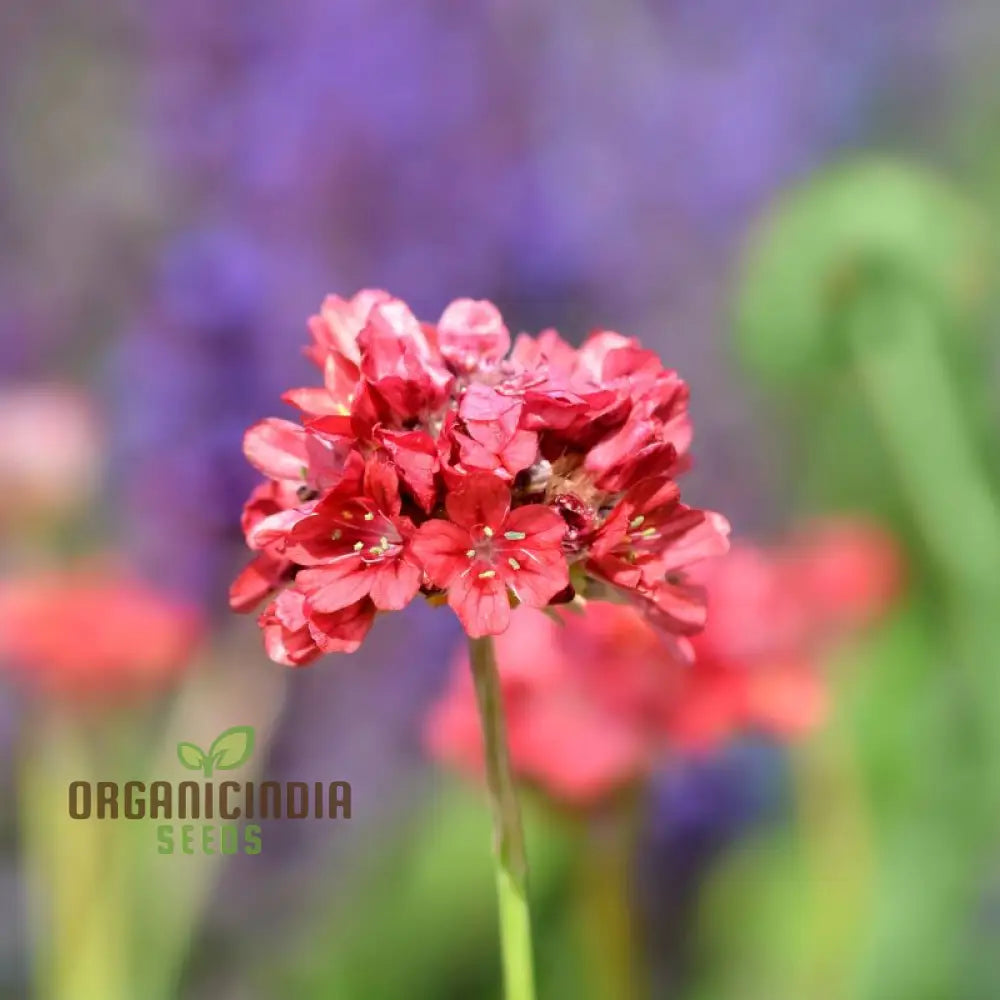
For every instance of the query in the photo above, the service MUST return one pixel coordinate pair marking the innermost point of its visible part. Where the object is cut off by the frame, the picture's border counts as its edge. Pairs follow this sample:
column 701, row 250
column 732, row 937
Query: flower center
column 484, row 544
column 369, row 533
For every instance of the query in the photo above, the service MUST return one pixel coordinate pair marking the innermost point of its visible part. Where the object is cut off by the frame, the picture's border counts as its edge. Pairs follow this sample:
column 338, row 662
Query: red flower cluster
column 593, row 704
column 93, row 635
column 432, row 461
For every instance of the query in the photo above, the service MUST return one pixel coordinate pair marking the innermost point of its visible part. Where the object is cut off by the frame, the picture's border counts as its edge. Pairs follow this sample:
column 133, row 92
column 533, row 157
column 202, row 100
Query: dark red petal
column 344, row 630
column 332, row 460
column 541, row 526
column 481, row 499
column 652, row 493
column 540, row 576
column 440, row 547
column 414, row 454
column 619, row 571
column 333, row 425
column 256, row 582
column 382, row 485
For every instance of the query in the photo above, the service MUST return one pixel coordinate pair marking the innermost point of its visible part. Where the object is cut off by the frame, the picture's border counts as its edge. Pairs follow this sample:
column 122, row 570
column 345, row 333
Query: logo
column 228, row 805
column 228, row 751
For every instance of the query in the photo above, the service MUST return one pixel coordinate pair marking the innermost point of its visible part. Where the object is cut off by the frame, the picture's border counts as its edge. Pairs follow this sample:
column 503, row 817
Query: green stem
column 80, row 945
column 508, row 834
column 604, row 887
column 893, row 337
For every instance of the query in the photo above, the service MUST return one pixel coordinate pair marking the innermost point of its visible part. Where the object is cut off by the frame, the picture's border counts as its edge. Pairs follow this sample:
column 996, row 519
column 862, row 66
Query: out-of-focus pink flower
column 771, row 613
column 594, row 703
column 498, row 475
column 50, row 450
column 588, row 701
column 93, row 636
column 852, row 568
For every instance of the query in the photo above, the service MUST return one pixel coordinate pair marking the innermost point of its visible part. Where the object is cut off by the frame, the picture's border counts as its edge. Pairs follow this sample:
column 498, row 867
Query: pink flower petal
column 396, row 584
column 440, row 547
column 277, row 448
column 482, row 606
column 335, row 586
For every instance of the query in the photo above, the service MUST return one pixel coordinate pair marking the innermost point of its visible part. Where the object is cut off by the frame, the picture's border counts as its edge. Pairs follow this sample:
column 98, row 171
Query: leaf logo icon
column 230, row 750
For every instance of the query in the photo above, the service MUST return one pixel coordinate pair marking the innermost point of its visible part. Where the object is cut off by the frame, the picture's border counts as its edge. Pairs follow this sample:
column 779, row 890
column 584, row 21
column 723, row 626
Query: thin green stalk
column 508, row 833
column 893, row 338
column 604, row 888
column 75, row 900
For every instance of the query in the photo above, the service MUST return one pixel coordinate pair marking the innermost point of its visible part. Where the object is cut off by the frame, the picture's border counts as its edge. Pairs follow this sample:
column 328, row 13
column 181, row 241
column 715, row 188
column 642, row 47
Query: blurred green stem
column 604, row 890
column 508, row 833
column 78, row 914
column 836, row 829
column 893, row 334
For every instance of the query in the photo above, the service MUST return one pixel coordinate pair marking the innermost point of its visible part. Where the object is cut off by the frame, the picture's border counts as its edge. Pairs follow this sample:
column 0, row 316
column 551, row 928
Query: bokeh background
column 181, row 184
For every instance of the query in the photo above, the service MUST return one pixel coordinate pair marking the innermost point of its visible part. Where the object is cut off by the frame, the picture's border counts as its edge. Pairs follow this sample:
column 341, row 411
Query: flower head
column 116, row 638
column 429, row 461
column 49, row 451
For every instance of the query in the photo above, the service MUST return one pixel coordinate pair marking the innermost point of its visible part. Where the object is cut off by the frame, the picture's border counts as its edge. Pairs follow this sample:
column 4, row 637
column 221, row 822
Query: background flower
column 596, row 701
column 116, row 640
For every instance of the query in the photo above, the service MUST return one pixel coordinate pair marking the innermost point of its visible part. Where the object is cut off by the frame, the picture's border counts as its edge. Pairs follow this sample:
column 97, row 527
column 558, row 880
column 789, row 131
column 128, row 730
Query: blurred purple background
column 181, row 184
